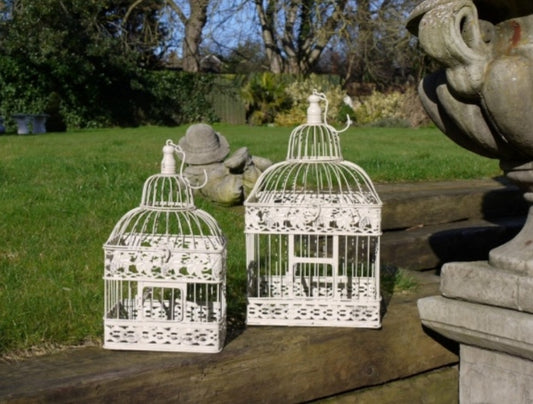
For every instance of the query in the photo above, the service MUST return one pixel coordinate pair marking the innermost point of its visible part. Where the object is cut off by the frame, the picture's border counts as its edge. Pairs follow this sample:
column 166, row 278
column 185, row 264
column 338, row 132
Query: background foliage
column 82, row 56
column 114, row 62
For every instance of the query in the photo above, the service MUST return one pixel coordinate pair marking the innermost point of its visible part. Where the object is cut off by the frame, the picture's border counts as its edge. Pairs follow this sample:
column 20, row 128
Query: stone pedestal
column 489, row 312
column 494, row 377
column 482, row 99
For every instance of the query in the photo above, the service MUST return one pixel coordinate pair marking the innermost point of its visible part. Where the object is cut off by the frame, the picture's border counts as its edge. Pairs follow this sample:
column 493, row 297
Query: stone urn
column 482, row 99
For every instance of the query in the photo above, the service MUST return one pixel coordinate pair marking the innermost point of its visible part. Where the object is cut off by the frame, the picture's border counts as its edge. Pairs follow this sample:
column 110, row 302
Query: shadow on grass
column 394, row 280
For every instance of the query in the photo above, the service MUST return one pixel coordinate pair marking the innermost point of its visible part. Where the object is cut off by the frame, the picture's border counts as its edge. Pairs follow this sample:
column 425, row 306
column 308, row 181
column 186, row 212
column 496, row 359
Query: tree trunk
column 266, row 19
column 193, row 32
column 297, row 46
column 364, row 38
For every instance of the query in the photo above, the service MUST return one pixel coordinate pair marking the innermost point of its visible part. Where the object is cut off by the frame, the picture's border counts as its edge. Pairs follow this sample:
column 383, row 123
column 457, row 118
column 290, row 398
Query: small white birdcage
column 165, row 270
column 313, row 227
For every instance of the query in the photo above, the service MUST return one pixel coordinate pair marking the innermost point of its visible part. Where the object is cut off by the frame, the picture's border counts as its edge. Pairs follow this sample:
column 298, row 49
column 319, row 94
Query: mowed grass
column 61, row 195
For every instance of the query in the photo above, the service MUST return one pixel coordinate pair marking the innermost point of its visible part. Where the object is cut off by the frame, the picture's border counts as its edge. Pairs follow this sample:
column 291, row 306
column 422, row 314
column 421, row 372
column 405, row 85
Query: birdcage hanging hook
column 168, row 165
column 322, row 97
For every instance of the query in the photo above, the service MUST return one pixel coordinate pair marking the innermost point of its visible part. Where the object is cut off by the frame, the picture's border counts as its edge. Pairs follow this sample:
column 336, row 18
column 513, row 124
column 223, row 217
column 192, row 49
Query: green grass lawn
column 61, row 195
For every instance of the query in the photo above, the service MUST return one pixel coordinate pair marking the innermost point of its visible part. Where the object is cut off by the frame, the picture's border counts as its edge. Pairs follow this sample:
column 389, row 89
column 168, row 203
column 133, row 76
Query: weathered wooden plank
column 431, row 246
column 262, row 365
column 439, row 386
column 408, row 205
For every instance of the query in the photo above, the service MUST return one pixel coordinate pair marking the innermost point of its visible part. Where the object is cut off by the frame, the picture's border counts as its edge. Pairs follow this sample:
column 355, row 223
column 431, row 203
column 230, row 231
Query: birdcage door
column 313, row 262
column 159, row 302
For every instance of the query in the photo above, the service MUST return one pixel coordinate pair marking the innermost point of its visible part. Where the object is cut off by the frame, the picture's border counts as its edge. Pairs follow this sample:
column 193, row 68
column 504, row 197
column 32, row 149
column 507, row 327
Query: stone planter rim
column 494, row 11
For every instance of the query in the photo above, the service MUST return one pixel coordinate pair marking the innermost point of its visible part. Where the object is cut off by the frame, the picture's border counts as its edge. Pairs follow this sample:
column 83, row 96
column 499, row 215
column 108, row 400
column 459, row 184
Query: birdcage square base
column 162, row 336
column 310, row 312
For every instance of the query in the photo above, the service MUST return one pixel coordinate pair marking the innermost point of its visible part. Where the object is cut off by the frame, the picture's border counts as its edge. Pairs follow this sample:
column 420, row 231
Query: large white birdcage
column 165, row 270
column 313, row 227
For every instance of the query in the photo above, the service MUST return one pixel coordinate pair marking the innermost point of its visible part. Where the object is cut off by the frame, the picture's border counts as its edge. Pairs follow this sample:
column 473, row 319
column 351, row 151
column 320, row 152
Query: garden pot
column 483, row 97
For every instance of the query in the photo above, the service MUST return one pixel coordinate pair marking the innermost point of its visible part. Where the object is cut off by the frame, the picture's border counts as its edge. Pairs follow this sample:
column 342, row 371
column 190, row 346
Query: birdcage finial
column 168, row 164
column 314, row 112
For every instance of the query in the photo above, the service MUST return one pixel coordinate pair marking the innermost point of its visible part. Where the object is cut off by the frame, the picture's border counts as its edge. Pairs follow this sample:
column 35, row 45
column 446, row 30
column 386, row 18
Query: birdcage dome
column 167, row 216
column 315, row 140
column 327, row 182
column 314, row 177
column 155, row 228
column 167, row 191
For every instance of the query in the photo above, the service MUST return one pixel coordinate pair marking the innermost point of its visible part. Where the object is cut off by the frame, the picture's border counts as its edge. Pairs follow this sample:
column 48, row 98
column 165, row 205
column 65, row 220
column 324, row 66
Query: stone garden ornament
column 229, row 179
column 483, row 100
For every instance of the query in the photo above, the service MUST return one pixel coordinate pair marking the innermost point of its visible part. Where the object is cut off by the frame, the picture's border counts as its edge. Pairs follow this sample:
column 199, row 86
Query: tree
column 77, row 50
column 295, row 33
column 246, row 57
column 141, row 28
column 204, row 27
column 193, row 23
column 361, row 40
column 374, row 45
column 192, row 15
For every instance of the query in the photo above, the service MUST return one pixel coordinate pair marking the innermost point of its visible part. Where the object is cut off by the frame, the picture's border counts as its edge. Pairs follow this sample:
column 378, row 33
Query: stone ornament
column 313, row 226
column 483, row 98
column 165, row 270
column 228, row 181
column 202, row 145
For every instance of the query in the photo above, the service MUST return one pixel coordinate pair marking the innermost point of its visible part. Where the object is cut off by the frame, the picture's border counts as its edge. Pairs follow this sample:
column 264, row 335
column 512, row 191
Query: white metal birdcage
column 165, row 270
column 313, row 227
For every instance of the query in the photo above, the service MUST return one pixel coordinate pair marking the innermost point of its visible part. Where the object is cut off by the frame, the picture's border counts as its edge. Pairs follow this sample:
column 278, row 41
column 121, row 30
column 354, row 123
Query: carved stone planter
column 483, row 100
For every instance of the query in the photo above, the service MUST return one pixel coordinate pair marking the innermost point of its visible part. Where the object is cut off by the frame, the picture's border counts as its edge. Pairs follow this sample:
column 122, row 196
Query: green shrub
column 393, row 109
column 144, row 97
column 345, row 112
column 412, row 109
column 379, row 107
column 21, row 90
column 175, row 98
column 55, row 121
column 264, row 97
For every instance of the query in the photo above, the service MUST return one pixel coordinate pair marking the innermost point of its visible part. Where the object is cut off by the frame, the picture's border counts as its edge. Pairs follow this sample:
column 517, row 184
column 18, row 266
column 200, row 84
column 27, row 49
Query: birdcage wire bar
column 313, row 227
column 165, row 268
